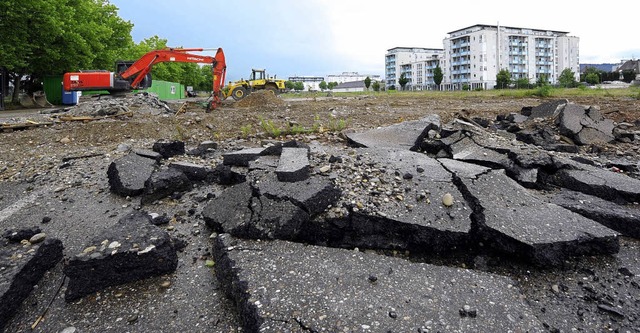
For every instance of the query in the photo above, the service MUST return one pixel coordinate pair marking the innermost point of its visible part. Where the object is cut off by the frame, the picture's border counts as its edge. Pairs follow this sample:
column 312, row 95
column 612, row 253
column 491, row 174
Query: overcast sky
column 322, row 37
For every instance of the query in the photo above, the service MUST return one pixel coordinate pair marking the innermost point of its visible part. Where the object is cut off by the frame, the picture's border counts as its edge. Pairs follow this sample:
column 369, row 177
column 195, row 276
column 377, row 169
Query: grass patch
column 271, row 129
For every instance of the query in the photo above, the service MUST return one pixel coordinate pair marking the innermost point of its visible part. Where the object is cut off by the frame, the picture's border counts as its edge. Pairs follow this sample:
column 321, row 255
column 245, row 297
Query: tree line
column 39, row 38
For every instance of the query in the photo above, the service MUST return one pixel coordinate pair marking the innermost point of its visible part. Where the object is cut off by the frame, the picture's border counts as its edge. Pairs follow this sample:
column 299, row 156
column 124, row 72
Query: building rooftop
column 414, row 49
column 507, row 27
column 351, row 84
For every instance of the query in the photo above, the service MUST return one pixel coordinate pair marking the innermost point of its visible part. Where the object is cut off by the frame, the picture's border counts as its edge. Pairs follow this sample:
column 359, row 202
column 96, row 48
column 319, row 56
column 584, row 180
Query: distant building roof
column 630, row 65
column 601, row 67
column 482, row 26
column 351, row 85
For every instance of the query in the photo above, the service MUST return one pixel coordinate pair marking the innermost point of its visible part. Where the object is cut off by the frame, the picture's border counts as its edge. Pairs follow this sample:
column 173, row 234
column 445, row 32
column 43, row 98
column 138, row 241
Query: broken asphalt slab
column 21, row 268
column 513, row 220
column 283, row 286
column 293, row 165
column 608, row 185
column 407, row 135
column 398, row 203
column 130, row 250
column 585, row 125
column 269, row 208
column 624, row 219
column 128, row 174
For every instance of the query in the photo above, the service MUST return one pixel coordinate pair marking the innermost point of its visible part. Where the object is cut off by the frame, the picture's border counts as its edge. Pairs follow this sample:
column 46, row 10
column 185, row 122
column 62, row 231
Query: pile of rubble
column 286, row 217
column 107, row 105
column 260, row 98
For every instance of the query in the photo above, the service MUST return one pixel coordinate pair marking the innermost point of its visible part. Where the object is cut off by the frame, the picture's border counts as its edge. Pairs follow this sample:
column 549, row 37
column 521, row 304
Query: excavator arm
column 139, row 69
column 136, row 72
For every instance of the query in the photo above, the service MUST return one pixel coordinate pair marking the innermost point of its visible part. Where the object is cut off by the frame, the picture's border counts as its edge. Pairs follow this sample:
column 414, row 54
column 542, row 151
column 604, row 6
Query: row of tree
column 50, row 37
column 567, row 79
column 323, row 85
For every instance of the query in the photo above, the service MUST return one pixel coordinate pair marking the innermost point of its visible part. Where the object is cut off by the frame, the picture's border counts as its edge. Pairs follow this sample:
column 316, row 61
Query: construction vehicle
column 130, row 75
column 258, row 81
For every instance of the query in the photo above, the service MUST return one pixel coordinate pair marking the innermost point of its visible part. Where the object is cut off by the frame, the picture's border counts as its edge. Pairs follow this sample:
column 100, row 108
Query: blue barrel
column 69, row 97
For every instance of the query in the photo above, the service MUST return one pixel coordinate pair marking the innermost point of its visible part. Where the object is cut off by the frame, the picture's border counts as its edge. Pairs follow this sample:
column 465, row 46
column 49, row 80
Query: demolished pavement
column 419, row 226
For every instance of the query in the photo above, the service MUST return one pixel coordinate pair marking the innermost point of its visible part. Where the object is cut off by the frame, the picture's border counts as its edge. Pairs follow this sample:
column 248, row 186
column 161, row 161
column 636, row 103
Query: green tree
column 332, row 85
column 503, row 79
column 48, row 37
column 438, row 76
column 542, row 80
column 367, row 82
column 567, row 78
column 403, row 80
column 628, row 75
column 592, row 78
column 591, row 72
column 323, row 86
column 298, row 86
column 206, row 79
column 376, row 86
column 288, row 84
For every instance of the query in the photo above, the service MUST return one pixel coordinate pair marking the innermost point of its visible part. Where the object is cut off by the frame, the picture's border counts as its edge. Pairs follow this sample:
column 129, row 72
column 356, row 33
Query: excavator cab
column 121, row 67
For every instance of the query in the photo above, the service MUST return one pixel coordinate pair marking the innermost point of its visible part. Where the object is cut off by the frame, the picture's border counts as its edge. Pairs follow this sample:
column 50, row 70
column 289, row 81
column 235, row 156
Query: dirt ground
column 26, row 152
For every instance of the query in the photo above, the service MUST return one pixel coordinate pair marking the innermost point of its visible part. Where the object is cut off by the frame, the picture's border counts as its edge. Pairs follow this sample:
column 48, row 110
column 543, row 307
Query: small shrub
column 543, row 91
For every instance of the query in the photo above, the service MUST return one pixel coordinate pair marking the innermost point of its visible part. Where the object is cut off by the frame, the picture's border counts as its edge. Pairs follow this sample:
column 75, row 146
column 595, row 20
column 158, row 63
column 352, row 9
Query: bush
column 523, row 83
column 592, row 78
column 543, row 91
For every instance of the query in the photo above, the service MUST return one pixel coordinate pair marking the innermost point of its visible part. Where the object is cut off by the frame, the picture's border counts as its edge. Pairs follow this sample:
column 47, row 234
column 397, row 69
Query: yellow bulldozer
column 259, row 80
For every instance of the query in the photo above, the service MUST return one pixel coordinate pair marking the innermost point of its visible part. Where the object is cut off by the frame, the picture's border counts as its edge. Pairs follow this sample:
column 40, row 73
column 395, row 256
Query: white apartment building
column 311, row 83
column 476, row 54
column 351, row 77
column 403, row 60
column 473, row 56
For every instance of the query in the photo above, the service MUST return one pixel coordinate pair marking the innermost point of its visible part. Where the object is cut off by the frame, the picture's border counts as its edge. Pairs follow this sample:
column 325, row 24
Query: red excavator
column 131, row 75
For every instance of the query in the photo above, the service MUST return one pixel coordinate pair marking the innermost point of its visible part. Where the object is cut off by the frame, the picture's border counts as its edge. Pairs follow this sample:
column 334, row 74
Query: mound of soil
column 260, row 98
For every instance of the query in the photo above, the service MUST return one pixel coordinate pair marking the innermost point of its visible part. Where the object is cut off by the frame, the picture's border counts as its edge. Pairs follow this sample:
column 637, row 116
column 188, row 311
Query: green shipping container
column 53, row 89
column 167, row 90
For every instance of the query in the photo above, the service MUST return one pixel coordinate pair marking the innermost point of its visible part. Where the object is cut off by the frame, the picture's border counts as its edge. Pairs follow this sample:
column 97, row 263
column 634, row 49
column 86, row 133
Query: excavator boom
column 136, row 73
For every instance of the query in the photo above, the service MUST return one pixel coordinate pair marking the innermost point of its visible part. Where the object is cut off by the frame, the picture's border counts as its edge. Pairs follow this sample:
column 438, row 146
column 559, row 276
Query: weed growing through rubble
column 246, row 130
column 297, row 129
column 337, row 125
column 317, row 124
column 270, row 127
